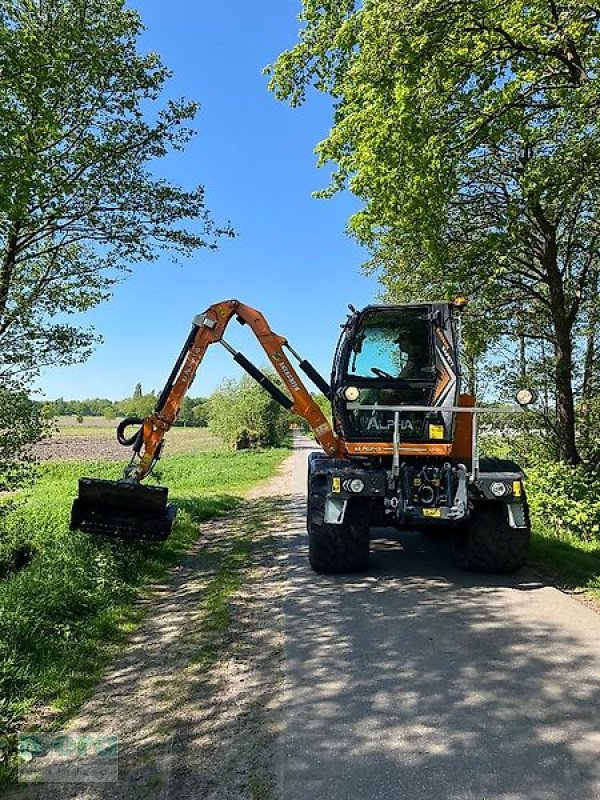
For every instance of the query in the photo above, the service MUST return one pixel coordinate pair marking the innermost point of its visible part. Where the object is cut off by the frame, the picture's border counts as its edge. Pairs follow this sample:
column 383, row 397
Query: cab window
column 393, row 345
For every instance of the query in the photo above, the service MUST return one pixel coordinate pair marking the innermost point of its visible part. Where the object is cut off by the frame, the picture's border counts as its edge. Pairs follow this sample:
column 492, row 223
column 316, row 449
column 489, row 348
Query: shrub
column 588, row 417
column 244, row 416
column 200, row 412
column 565, row 500
column 22, row 423
column 138, row 406
column 522, row 437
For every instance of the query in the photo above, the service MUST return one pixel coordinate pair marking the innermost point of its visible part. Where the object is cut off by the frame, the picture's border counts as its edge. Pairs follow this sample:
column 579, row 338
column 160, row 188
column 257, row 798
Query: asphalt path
column 423, row 682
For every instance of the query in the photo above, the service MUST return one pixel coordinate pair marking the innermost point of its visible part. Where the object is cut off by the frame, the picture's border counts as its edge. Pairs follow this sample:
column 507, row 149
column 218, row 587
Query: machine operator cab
column 396, row 356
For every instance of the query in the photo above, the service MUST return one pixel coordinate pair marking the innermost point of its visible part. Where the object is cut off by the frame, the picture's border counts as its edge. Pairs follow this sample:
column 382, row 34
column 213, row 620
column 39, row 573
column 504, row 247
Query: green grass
column 260, row 788
column 565, row 515
column 571, row 562
column 63, row 614
column 230, row 564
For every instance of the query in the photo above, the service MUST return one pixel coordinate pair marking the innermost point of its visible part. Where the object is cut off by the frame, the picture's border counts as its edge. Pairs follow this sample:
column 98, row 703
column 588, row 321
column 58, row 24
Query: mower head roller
column 122, row 510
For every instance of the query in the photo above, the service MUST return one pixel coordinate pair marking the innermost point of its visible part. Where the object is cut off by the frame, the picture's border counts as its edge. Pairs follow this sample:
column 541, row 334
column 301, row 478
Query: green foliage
column 588, row 412
column 201, row 413
column 194, row 411
column 187, row 415
column 565, row 501
column 68, row 597
column 47, row 411
column 244, row 415
column 523, row 439
column 470, row 132
column 21, row 424
column 94, row 407
column 81, row 130
column 138, row 406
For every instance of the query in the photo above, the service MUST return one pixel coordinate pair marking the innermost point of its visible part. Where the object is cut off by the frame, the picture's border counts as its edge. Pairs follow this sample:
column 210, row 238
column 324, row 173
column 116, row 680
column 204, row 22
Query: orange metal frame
column 215, row 321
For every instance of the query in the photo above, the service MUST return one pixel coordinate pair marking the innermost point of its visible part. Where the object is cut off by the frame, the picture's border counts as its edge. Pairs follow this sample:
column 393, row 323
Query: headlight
column 351, row 393
column 498, row 489
column 356, row 485
column 525, row 397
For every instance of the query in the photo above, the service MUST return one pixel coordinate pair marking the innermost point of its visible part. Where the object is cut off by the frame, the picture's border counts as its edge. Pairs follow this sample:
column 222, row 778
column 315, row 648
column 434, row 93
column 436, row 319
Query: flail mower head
column 122, row 510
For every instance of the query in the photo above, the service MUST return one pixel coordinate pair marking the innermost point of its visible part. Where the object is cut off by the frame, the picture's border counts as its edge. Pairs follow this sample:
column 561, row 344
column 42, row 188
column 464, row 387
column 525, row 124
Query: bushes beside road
column 565, row 501
column 565, row 510
column 243, row 415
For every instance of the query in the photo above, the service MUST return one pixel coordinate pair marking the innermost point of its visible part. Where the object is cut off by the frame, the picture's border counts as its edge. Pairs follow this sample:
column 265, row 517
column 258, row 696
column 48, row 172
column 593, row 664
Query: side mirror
column 525, row 397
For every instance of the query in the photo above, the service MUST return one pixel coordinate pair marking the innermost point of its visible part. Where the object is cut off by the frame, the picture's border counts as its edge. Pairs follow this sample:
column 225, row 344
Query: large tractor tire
column 487, row 543
column 340, row 548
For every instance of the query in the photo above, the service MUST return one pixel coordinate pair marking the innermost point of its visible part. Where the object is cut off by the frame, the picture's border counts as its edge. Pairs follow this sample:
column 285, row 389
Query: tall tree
column 80, row 132
column 470, row 130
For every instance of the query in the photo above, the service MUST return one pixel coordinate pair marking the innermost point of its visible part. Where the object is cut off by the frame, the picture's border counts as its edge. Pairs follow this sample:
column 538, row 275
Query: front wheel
column 342, row 548
column 487, row 543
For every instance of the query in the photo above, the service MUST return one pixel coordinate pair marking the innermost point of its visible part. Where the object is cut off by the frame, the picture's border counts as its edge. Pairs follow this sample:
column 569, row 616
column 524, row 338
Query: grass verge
column 565, row 515
column 573, row 564
column 64, row 614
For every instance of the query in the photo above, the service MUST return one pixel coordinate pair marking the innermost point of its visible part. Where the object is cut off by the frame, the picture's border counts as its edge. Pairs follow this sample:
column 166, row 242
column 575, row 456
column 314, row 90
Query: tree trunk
column 565, row 404
column 589, row 367
column 471, row 375
column 7, row 266
column 563, row 330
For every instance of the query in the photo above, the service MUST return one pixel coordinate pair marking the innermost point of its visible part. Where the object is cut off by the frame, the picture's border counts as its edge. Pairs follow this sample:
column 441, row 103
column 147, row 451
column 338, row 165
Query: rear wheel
column 487, row 543
column 336, row 548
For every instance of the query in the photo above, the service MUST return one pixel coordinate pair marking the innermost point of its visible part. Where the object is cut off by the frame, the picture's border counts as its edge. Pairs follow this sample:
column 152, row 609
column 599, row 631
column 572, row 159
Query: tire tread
column 334, row 549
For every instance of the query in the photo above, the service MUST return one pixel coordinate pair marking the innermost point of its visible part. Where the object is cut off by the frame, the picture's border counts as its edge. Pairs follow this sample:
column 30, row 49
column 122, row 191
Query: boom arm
column 208, row 328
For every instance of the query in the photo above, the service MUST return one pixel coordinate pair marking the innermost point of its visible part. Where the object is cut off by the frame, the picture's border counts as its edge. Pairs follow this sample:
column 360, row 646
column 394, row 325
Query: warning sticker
column 436, row 431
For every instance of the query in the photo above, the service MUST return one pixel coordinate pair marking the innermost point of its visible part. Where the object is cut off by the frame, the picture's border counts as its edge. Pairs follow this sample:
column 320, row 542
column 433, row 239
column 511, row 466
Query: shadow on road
column 418, row 680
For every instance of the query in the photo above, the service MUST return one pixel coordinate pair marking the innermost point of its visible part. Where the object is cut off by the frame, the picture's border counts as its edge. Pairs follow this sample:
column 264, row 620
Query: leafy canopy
column 470, row 131
column 455, row 117
column 80, row 201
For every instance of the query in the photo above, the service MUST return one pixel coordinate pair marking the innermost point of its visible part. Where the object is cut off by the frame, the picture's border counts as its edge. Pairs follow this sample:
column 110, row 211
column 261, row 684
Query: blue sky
column 255, row 157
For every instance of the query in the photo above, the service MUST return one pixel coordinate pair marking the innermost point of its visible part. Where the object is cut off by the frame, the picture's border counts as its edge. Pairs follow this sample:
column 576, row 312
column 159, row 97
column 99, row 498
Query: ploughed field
column 95, row 440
